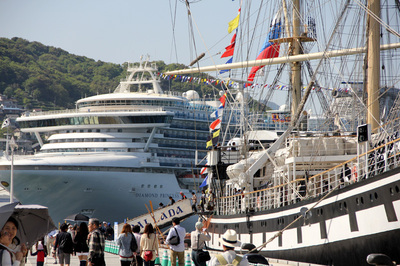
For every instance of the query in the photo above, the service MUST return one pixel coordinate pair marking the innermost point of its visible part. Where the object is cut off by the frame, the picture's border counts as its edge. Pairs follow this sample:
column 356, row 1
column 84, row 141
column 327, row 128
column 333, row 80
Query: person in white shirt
column 229, row 241
column 7, row 234
column 179, row 249
column 198, row 239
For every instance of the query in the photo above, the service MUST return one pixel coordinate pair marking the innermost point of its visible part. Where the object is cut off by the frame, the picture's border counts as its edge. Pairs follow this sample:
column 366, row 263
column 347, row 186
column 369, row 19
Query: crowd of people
column 206, row 202
column 87, row 242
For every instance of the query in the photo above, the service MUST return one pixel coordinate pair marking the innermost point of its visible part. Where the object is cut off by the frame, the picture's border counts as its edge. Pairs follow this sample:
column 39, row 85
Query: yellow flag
column 209, row 143
column 233, row 24
column 216, row 133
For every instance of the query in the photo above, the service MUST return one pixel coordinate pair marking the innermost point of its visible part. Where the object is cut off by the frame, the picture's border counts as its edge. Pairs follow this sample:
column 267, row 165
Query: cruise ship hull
column 112, row 188
column 343, row 229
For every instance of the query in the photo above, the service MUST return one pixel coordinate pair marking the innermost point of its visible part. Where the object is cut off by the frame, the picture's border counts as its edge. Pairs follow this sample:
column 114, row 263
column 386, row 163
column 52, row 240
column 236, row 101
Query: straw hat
column 229, row 239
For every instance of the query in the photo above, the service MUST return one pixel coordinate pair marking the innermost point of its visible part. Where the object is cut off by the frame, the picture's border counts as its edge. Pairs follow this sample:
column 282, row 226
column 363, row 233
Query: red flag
column 203, row 170
column 223, row 99
column 215, row 125
column 230, row 48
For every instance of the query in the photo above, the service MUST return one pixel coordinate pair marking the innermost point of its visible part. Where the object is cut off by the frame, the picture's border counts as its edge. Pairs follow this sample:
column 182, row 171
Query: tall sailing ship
column 331, row 195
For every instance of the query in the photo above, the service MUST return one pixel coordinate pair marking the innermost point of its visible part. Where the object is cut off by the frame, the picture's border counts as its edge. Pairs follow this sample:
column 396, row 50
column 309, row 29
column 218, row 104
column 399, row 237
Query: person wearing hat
column 182, row 196
column 198, row 240
column 229, row 241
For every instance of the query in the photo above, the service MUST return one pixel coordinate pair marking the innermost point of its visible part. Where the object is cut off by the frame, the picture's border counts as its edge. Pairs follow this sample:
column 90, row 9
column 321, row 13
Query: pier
column 112, row 259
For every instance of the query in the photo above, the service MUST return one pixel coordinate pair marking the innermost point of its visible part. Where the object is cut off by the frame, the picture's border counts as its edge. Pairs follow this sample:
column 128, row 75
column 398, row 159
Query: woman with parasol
column 7, row 235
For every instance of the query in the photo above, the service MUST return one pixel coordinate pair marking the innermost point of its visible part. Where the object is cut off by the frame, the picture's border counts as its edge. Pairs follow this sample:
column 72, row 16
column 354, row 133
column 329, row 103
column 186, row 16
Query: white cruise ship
column 113, row 153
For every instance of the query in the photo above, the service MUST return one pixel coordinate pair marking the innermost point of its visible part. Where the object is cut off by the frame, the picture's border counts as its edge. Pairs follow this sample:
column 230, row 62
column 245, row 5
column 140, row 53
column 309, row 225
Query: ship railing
column 88, row 110
column 364, row 166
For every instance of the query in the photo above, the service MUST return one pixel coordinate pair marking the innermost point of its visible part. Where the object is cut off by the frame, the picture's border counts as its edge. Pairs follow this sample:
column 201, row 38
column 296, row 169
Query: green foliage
column 46, row 77
column 40, row 76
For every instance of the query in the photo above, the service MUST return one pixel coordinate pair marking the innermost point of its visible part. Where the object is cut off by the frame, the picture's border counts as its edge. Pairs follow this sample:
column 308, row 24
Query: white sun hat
column 229, row 239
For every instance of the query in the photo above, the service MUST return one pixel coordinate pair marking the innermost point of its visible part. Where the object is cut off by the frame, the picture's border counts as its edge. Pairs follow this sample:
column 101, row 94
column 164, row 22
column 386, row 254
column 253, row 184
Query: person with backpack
column 229, row 241
column 127, row 245
column 175, row 241
column 64, row 245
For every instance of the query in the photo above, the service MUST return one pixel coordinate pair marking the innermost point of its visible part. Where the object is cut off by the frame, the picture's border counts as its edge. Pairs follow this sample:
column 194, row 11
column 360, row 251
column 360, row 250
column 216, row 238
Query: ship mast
column 373, row 66
column 295, row 50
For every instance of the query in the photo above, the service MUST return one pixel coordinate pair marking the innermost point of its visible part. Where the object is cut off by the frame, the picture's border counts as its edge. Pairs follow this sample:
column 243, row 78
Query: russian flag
column 269, row 49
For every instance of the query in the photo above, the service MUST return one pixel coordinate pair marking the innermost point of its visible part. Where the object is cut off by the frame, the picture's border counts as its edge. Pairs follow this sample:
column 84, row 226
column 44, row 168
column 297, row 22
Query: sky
column 118, row 31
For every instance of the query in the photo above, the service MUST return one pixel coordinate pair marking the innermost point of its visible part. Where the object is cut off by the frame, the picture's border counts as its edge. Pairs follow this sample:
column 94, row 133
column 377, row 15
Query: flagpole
column 12, row 176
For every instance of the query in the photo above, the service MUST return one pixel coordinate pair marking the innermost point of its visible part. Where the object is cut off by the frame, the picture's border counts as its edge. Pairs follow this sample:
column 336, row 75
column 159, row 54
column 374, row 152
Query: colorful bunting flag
column 234, row 23
column 212, row 139
column 204, row 183
column 230, row 48
column 218, row 113
column 203, row 170
column 215, row 125
column 223, row 99
column 227, row 62
column 216, row 134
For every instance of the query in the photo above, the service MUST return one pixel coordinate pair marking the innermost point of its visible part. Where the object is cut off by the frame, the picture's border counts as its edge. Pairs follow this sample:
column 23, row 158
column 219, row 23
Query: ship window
column 161, row 186
column 155, row 186
column 142, row 185
column 148, row 186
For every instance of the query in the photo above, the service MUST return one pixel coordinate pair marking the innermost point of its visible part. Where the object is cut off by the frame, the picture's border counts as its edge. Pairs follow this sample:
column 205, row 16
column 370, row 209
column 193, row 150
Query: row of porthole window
column 393, row 190
column 360, row 200
column 372, row 197
column 149, row 186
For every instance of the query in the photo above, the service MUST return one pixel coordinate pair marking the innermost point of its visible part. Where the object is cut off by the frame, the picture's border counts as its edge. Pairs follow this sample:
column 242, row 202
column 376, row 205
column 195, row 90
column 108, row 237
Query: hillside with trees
column 46, row 77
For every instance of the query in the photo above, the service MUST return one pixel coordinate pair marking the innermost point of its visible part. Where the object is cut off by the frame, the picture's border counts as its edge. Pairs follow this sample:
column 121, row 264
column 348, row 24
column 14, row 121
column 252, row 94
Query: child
column 41, row 254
